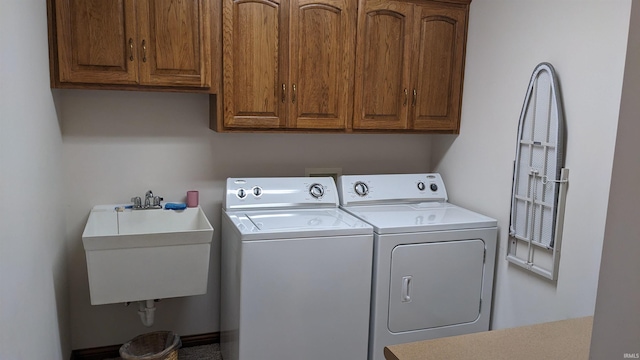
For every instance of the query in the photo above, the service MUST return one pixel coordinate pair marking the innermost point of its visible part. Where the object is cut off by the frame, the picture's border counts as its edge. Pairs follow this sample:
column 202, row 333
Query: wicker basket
column 159, row 345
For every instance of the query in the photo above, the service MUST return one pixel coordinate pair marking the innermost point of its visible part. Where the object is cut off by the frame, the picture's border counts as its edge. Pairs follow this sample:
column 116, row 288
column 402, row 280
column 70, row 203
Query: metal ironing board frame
column 539, row 178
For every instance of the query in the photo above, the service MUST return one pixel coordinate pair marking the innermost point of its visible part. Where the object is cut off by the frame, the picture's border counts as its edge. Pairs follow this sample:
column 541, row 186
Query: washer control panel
column 363, row 189
column 264, row 193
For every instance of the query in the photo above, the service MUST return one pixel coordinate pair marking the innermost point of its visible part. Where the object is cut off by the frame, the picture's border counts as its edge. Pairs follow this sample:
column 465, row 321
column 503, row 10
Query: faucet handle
column 137, row 202
column 156, row 200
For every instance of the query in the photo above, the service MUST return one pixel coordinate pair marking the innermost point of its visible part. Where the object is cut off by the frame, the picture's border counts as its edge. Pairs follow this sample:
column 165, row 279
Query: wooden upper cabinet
column 438, row 66
column 174, row 42
column 254, row 58
column 323, row 34
column 409, row 65
column 382, row 96
column 288, row 64
column 96, row 41
column 134, row 42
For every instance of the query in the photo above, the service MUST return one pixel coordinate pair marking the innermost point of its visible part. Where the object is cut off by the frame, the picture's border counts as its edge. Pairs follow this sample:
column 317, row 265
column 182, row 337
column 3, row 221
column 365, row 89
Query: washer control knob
column 257, row 191
column 242, row 193
column 421, row 186
column 316, row 190
column 434, row 187
column 361, row 188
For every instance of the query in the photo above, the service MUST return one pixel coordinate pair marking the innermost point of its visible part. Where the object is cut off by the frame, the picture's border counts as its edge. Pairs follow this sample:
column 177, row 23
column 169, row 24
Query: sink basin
column 135, row 255
column 107, row 228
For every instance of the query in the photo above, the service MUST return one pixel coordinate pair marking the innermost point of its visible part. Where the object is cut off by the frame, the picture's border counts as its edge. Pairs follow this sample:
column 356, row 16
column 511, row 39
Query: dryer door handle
column 406, row 288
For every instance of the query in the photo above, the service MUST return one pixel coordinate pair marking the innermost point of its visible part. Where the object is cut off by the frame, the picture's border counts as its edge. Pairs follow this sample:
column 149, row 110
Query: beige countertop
column 564, row 339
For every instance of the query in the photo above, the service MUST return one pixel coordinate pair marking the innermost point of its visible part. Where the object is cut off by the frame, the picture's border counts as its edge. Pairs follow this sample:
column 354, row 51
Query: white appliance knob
column 316, row 190
column 241, row 193
column 421, row 186
column 257, row 191
column 361, row 188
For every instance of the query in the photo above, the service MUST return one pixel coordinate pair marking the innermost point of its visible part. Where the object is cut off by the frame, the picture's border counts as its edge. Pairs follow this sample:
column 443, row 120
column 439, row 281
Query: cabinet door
column 255, row 92
column 323, row 35
column 382, row 65
column 439, row 65
column 96, row 41
column 174, row 43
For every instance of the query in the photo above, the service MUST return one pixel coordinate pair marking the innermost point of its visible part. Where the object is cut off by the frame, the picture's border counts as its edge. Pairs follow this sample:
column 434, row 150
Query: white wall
column 33, row 275
column 616, row 328
column 585, row 41
column 120, row 144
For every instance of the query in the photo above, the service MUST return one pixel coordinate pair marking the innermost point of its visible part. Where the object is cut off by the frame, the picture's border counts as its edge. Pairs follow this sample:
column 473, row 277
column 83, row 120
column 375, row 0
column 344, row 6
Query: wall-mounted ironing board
column 539, row 178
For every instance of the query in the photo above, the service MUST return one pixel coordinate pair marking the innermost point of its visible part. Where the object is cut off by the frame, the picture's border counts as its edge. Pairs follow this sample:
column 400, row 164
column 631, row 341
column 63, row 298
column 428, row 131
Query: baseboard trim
column 106, row 352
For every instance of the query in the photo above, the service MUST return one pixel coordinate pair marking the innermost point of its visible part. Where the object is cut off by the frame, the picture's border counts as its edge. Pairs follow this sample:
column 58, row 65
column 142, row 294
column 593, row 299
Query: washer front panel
column 305, row 299
column 294, row 298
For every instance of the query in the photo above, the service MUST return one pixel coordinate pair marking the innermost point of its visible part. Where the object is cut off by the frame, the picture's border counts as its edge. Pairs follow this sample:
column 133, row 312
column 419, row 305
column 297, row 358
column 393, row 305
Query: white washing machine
column 433, row 261
column 296, row 272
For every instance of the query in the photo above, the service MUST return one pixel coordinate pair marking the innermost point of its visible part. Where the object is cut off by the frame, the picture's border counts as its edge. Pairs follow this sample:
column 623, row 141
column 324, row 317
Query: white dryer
column 433, row 261
column 295, row 272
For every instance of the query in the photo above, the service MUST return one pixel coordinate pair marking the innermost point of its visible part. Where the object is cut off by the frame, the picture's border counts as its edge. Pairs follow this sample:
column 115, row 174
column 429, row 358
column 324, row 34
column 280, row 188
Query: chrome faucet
column 150, row 201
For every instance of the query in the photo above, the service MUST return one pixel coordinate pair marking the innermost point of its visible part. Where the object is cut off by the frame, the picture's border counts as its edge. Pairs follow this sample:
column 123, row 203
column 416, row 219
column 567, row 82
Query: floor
column 204, row 352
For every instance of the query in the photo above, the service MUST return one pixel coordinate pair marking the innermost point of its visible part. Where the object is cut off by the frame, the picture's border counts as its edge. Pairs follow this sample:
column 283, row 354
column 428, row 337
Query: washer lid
column 430, row 216
column 299, row 223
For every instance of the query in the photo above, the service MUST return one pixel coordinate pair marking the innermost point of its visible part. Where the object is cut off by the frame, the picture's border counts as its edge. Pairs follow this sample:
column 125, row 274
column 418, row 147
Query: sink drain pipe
column 146, row 310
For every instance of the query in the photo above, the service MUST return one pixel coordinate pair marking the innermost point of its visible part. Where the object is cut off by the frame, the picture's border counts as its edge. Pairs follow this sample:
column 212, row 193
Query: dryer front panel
column 435, row 284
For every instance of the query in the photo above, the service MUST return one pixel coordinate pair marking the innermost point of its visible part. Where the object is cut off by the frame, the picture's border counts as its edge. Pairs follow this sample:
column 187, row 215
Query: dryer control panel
column 283, row 192
column 371, row 189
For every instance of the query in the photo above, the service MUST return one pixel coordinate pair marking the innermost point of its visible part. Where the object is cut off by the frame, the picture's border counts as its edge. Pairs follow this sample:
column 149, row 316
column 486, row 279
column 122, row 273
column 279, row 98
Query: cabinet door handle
column 415, row 98
column 293, row 96
column 284, row 93
column 144, row 51
column 406, row 96
column 130, row 49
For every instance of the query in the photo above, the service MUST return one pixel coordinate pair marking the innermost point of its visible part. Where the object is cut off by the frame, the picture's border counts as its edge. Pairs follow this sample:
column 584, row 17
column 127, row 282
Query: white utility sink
column 135, row 255
column 107, row 228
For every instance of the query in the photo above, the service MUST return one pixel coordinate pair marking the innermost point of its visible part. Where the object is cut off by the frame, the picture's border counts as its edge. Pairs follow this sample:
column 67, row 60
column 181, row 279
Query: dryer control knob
column 316, row 190
column 421, row 186
column 433, row 187
column 361, row 188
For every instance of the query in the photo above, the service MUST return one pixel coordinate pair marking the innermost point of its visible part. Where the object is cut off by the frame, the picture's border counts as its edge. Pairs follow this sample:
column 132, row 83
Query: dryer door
column 435, row 284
